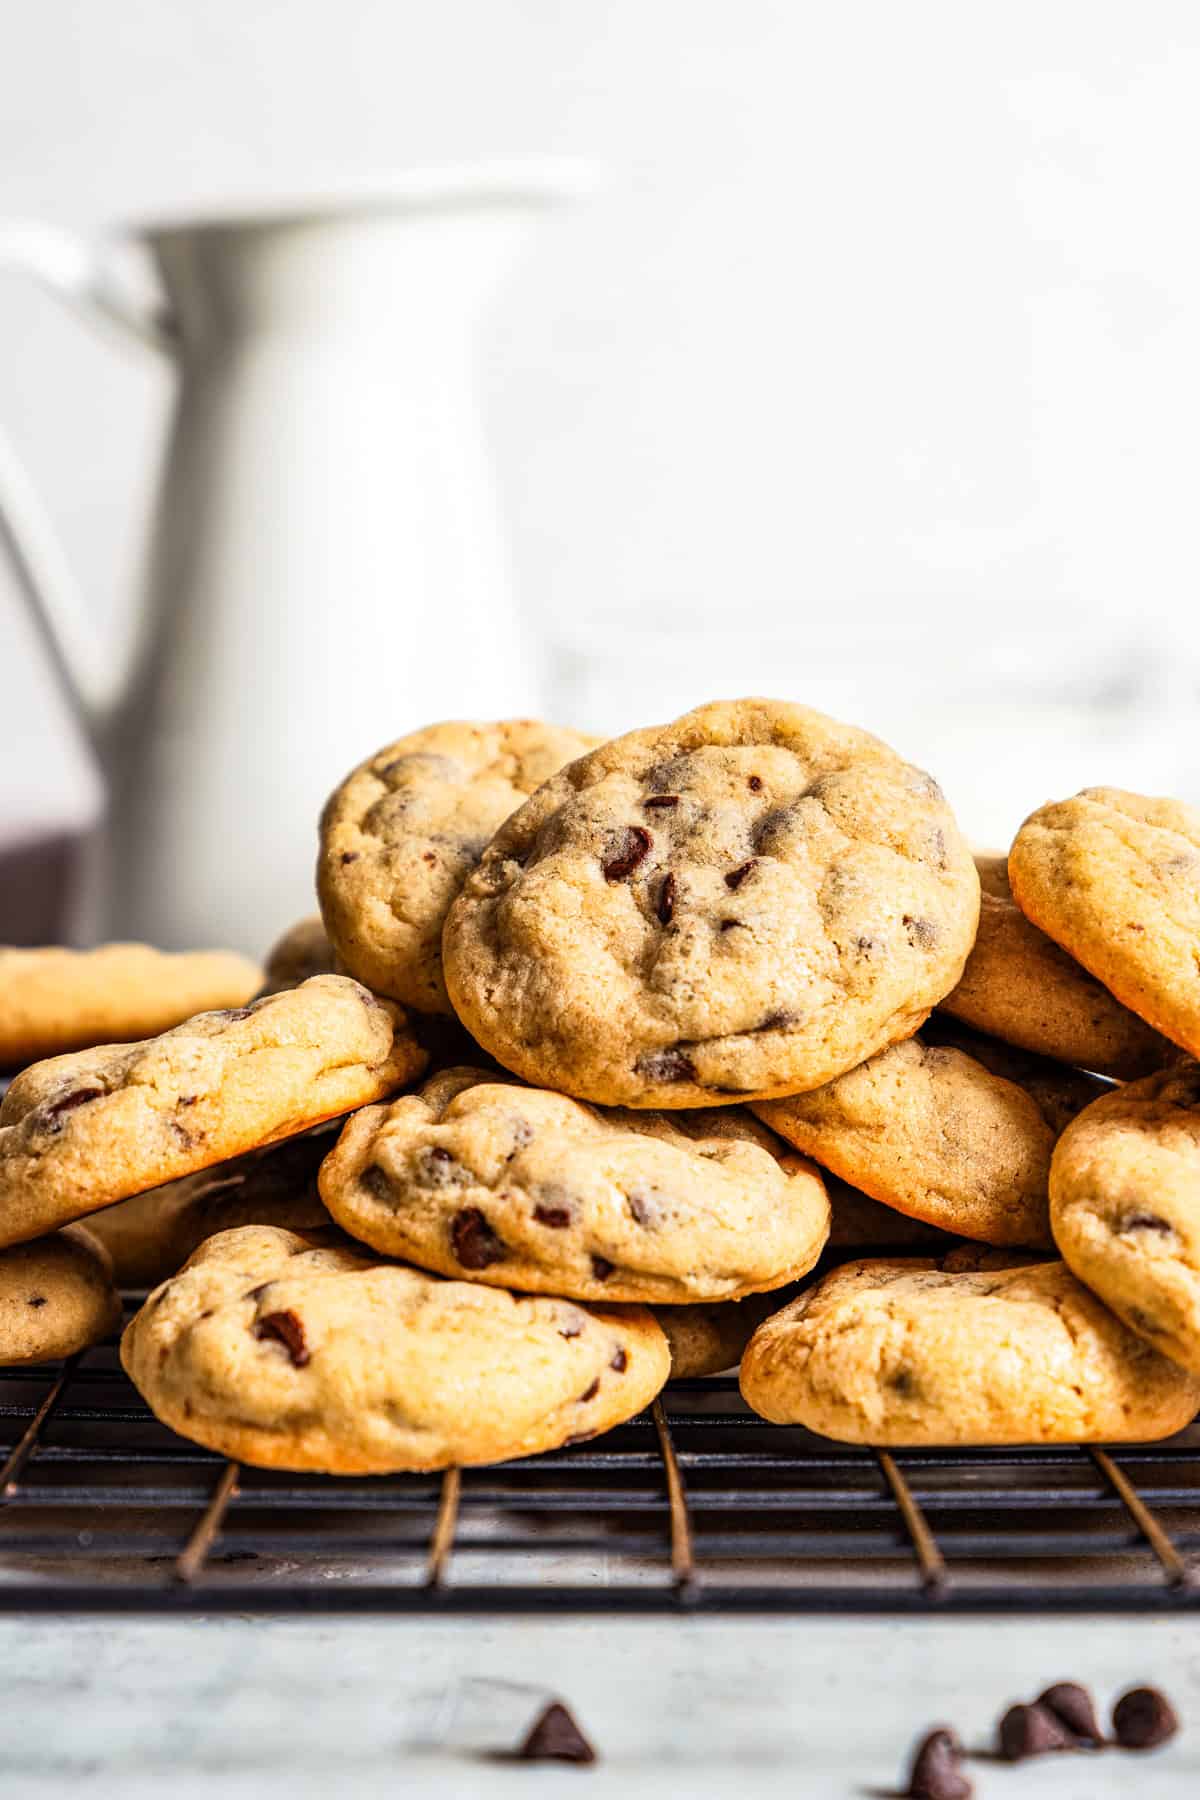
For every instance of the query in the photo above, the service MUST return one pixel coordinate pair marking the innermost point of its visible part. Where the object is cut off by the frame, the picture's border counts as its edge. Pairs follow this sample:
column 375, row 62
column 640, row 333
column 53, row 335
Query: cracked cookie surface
column 151, row 1235
column 403, row 831
column 531, row 1190
column 741, row 904
column 1125, row 1206
column 1114, row 877
column 950, row 1128
column 1019, row 985
column 56, row 1000
column 56, row 1297
column 286, row 1353
column 82, row 1131
column 903, row 1352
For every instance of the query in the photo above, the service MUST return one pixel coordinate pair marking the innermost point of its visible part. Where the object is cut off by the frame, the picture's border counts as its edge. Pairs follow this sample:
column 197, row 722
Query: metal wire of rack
column 696, row 1506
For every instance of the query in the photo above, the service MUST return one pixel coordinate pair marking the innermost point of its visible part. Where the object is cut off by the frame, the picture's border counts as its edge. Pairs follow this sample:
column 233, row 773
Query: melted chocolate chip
column 287, row 1330
column 937, row 1772
column 921, row 932
column 620, row 1361
column 665, row 1065
column 1144, row 1221
column 1143, row 1719
column 627, row 852
column 904, row 1383
column 54, row 1111
column 556, row 1217
column 777, row 1021
column 436, row 1168
column 349, row 856
column 602, row 1268
column 662, row 800
column 36, row 1300
column 590, row 1392
column 666, row 899
column 755, row 784
column 730, row 924
column 1026, row 1731
column 640, row 1210
column 735, row 877
column 475, row 1244
column 427, row 856
column 1073, row 1705
column 556, row 1737
column 376, row 1181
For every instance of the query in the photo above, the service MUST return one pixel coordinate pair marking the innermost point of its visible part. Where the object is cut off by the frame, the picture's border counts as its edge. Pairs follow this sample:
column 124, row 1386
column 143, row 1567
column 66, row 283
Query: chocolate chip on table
column 1073, row 1705
column 1032, row 1731
column 735, row 877
column 665, row 907
column 662, row 800
column 627, row 853
column 475, row 1244
column 1143, row 1719
column 555, row 1737
column 287, row 1330
column 937, row 1772
column 602, row 1268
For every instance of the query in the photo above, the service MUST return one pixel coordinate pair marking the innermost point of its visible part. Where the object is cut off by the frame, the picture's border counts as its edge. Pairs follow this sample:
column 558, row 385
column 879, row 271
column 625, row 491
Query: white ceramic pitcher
column 325, row 568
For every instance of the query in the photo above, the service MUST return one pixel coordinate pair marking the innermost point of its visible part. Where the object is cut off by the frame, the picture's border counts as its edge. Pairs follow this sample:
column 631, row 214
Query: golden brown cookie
column 151, row 1235
column 56, row 1297
column 292, row 1354
column 531, row 1190
column 902, row 1352
column 706, row 1340
column 957, row 1134
column 56, row 1000
column 1125, row 1206
column 80, row 1132
column 1114, row 878
column 304, row 950
column 739, row 905
column 1019, row 986
column 405, row 829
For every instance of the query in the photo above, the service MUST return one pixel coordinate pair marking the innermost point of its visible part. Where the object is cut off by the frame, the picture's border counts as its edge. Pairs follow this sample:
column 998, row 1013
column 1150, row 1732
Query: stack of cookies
column 607, row 1061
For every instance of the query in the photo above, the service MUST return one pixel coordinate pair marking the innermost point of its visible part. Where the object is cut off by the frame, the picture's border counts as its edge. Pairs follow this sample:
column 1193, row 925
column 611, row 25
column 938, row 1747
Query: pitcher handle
column 82, row 274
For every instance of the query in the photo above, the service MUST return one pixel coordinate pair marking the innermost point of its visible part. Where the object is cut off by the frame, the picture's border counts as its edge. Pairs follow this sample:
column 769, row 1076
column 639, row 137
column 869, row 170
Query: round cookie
column 742, row 904
column 56, row 1000
column 903, row 1352
column 531, row 1190
column 706, row 1340
column 1125, row 1206
column 56, row 1297
column 1114, row 878
column 958, row 1134
column 404, row 830
column 303, row 951
column 1019, row 986
column 151, row 1235
column 276, row 1350
column 80, row 1132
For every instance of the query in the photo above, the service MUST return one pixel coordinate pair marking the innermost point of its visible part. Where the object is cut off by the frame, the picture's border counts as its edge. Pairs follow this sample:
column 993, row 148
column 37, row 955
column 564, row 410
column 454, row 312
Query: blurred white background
column 870, row 378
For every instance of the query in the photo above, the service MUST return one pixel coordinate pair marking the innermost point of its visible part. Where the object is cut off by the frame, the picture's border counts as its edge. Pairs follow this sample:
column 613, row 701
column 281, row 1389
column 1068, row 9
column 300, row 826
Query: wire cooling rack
column 695, row 1506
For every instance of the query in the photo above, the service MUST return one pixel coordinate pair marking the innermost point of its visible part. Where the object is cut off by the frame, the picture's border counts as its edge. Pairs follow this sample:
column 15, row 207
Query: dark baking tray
column 697, row 1506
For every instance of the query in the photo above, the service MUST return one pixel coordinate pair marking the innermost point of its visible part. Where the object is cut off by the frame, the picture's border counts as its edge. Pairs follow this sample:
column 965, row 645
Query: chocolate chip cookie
column 56, row 1297
column 1019, row 986
column 280, row 1351
column 742, row 904
column 1125, row 1206
column 80, row 1132
column 526, row 1189
column 905, row 1353
column 152, row 1235
column 705, row 1340
column 304, row 950
column 1114, row 878
column 56, row 1000
column 405, row 829
column 953, row 1129
column 860, row 1226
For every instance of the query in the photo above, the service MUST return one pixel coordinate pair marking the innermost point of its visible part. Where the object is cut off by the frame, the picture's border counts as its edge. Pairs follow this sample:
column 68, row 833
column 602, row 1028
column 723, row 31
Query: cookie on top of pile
column 609, row 1061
